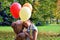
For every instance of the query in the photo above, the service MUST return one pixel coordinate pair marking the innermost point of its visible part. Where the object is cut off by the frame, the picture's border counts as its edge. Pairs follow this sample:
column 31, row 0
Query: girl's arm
column 35, row 33
column 33, row 37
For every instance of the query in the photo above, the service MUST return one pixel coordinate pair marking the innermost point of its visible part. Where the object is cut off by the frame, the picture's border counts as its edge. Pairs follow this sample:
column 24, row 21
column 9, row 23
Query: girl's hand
column 22, row 35
column 28, row 35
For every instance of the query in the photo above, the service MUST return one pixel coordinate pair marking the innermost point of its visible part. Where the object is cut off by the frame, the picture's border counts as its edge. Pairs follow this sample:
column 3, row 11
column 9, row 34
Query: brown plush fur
column 17, row 27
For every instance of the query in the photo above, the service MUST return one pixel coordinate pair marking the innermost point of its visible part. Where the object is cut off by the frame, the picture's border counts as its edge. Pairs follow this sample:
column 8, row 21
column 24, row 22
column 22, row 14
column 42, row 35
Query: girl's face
column 26, row 24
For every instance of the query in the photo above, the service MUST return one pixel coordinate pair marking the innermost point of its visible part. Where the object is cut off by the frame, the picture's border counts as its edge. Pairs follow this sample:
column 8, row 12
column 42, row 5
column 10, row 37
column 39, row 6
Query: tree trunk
column 57, row 21
column 50, row 20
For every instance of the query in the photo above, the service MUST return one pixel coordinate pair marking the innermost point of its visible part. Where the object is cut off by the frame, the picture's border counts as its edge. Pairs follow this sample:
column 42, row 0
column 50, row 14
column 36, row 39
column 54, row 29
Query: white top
column 31, row 29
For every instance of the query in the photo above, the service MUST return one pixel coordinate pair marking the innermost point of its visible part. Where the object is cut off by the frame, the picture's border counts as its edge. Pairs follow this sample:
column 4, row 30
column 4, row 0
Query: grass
column 47, row 28
column 6, row 29
column 6, row 33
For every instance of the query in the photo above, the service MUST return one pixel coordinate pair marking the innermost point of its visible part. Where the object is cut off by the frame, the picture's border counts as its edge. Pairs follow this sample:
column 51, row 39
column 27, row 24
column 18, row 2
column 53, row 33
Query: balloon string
column 31, row 32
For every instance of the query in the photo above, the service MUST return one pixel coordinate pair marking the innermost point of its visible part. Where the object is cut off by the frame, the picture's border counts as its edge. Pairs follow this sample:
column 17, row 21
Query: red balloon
column 14, row 9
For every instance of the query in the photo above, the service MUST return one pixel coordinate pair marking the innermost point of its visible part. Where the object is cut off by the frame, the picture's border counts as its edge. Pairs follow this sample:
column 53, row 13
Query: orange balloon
column 28, row 5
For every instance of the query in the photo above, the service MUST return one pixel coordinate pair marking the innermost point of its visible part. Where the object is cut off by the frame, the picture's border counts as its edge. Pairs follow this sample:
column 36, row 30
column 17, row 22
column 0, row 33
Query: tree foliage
column 43, row 10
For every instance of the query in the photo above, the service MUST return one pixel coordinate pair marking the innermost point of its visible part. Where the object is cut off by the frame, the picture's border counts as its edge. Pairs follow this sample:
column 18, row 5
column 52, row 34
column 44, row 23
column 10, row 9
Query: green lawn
column 6, row 29
column 47, row 28
column 6, row 33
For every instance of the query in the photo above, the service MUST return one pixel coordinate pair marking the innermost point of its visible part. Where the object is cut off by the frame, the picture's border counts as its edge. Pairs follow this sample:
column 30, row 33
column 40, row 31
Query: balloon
column 25, row 13
column 14, row 9
column 28, row 5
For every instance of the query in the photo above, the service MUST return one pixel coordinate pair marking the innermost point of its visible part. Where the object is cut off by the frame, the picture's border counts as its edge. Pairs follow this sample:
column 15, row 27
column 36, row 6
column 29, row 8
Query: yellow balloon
column 25, row 13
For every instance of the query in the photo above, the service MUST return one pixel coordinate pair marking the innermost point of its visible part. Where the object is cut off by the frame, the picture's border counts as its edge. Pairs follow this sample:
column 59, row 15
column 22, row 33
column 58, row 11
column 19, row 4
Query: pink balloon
column 14, row 9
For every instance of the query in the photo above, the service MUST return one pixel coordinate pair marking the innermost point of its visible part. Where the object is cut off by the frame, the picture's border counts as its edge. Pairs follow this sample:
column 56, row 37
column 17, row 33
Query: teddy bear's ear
column 13, row 24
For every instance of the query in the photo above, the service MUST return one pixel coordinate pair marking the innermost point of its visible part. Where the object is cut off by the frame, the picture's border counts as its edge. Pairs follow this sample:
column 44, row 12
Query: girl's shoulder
column 34, row 27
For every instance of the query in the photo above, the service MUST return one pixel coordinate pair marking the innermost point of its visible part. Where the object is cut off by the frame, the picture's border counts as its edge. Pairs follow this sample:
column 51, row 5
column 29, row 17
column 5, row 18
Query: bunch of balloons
column 23, row 12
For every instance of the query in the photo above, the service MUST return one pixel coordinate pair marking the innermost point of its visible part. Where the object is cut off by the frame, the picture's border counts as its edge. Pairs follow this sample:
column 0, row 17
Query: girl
column 31, row 32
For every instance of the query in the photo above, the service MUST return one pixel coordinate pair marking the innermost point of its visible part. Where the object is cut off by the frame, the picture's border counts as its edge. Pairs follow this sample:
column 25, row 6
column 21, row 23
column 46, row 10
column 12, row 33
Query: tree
column 58, row 11
column 43, row 10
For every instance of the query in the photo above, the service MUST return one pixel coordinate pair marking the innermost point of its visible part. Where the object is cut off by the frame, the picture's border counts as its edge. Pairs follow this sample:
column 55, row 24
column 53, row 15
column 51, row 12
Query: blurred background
column 44, row 11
